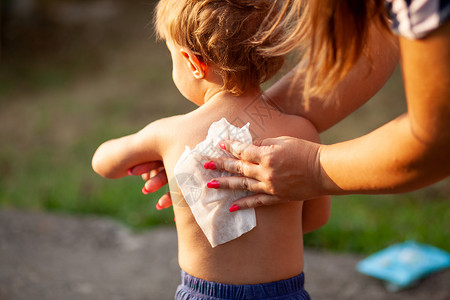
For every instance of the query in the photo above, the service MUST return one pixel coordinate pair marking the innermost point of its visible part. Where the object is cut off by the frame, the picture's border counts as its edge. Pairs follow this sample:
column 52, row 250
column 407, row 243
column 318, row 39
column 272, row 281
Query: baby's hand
column 154, row 175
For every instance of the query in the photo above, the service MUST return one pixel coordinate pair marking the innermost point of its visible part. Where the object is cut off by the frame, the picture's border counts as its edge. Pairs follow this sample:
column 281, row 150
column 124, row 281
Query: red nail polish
column 234, row 208
column 213, row 184
column 130, row 173
column 145, row 191
column 158, row 207
column 222, row 145
column 210, row 165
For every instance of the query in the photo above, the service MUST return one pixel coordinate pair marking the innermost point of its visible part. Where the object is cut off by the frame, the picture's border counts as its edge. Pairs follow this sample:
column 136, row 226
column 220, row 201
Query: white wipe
column 210, row 206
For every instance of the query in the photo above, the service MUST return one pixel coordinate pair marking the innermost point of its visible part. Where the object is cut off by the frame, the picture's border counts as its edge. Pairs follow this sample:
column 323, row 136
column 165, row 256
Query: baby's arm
column 113, row 158
column 316, row 213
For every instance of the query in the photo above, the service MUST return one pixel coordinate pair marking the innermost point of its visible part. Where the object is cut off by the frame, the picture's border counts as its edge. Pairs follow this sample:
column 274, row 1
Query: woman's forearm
column 406, row 154
column 392, row 159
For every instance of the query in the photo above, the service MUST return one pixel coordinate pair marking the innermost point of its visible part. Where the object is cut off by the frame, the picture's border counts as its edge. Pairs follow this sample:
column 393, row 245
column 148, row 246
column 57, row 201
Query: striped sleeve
column 415, row 19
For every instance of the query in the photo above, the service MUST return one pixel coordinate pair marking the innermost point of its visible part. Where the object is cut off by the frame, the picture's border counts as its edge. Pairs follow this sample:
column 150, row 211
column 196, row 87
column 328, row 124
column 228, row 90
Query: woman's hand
column 154, row 175
column 277, row 169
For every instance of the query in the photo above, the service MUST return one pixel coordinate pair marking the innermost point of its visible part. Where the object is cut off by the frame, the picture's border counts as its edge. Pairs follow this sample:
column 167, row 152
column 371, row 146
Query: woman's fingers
column 152, row 173
column 236, row 166
column 164, row 202
column 155, row 177
column 237, row 183
column 155, row 183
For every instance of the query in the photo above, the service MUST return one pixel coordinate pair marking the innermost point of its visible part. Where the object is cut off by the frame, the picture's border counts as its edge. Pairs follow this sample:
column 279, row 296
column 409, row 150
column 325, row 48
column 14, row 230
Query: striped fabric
column 414, row 19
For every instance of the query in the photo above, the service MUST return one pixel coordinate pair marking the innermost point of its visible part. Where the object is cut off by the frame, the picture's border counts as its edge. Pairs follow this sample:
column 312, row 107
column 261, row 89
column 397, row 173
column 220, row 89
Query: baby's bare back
column 273, row 250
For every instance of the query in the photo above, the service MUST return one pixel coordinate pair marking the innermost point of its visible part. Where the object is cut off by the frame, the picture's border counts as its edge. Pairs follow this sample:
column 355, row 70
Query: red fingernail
column 130, row 173
column 210, row 165
column 234, row 208
column 159, row 207
column 213, row 184
column 145, row 191
column 222, row 145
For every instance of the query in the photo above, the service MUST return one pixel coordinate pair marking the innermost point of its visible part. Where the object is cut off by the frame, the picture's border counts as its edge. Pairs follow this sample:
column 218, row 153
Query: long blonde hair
column 330, row 34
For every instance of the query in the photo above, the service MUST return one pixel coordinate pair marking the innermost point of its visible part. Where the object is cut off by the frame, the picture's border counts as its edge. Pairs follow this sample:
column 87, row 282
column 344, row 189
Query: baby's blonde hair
column 222, row 32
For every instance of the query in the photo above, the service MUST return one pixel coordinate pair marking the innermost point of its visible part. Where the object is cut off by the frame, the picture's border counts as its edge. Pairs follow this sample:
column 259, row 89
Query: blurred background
column 74, row 73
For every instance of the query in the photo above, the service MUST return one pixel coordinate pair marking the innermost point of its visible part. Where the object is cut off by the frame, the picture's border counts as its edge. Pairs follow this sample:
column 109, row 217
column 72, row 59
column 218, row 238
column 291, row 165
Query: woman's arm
column 412, row 151
column 114, row 158
column 404, row 155
column 365, row 79
column 316, row 213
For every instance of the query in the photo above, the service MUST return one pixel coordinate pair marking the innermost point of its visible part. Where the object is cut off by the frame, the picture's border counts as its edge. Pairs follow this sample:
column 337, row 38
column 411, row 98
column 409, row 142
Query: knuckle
column 227, row 164
column 228, row 184
column 245, row 183
column 259, row 200
column 224, row 184
column 240, row 167
column 220, row 163
column 236, row 149
column 270, row 186
column 270, row 158
column 271, row 190
column 269, row 177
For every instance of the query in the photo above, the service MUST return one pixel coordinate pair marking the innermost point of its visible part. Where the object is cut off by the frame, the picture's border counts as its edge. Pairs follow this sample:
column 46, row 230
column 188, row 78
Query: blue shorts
column 193, row 288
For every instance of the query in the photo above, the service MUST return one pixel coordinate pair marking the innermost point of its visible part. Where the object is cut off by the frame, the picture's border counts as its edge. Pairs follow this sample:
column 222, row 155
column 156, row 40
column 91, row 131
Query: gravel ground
column 47, row 256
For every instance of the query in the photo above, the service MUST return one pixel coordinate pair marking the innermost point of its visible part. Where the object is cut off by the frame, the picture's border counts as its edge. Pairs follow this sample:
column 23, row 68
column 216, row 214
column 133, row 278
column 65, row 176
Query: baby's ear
column 197, row 67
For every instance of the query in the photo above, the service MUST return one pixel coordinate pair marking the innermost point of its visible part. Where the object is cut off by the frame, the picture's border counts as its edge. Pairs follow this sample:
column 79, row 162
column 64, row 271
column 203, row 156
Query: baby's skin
column 273, row 250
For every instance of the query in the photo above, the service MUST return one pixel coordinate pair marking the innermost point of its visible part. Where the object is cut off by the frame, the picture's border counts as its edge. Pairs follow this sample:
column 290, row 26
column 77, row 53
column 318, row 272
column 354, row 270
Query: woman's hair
column 330, row 34
column 222, row 32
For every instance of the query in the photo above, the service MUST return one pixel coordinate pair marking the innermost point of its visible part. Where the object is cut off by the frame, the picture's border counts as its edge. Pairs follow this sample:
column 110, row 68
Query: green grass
column 50, row 129
column 367, row 223
column 43, row 179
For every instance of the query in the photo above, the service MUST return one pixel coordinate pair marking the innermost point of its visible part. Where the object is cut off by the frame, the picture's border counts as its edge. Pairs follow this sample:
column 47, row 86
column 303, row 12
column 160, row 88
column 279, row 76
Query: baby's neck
column 221, row 95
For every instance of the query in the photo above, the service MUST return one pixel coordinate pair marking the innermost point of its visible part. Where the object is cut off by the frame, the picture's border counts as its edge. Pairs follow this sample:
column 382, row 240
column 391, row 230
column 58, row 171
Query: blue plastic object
column 401, row 265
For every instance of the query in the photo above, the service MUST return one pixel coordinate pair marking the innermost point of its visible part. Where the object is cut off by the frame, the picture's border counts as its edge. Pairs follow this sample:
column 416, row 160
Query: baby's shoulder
column 180, row 130
column 161, row 126
column 161, row 131
column 294, row 126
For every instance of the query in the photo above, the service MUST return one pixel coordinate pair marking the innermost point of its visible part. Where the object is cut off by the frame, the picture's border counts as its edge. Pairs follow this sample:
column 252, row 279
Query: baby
column 216, row 66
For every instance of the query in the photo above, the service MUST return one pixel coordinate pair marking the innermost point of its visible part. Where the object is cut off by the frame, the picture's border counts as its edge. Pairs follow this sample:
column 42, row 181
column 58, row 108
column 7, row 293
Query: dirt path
column 45, row 256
